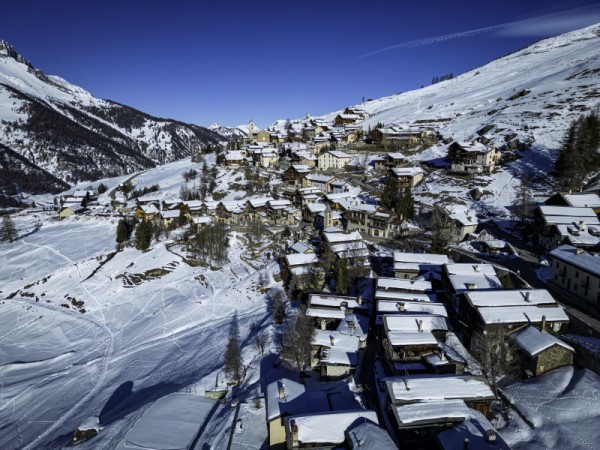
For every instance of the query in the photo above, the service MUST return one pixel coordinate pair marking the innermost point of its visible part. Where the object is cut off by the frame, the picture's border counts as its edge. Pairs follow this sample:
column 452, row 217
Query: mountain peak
column 9, row 51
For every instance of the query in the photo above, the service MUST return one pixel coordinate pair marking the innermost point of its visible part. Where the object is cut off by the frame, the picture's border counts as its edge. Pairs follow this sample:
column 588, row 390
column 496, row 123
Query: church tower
column 251, row 129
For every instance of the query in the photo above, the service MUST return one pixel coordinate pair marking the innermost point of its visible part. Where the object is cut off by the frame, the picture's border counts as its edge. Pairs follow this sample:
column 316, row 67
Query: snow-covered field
column 86, row 335
column 564, row 406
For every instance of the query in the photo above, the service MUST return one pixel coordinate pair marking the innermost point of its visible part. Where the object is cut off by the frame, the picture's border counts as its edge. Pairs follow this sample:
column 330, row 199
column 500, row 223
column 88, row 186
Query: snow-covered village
column 415, row 271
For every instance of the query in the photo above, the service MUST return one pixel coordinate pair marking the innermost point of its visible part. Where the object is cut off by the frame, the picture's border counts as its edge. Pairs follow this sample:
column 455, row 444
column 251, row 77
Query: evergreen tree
column 8, row 232
column 123, row 231
column 277, row 305
column 102, row 188
column 182, row 220
column 441, row 230
column 342, row 280
column 523, row 199
column 391, row 194
column 233, row 366
column 143, row 235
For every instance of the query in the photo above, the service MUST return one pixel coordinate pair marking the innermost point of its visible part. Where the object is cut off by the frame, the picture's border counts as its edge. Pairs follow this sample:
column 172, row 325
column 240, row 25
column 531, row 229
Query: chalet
column 389, row 161
column 472, row 158
column 382, row 224
column 415, row 390
column 256, row 208
column 321, row 182
column 70, row 209
column 408, row 177
column 334, row 354
column 293, row 175
column 338, row 302
column 408, row 338
column 333, row 159
column 556, row 225
column 409, row 307
column 357, row 217
column 577, row 272
column 300, row 247
column 298, row 264
column 576, row 200
column 147, row 211
column 413, row 265
column 460, row 278
column 311, row 210
column 325, row 430
column 169, row 217
column 327, row 219
column 305, row 158
column 348, row 246
column 540, row 351
column 323, row 140
column 268, row 158
column 344, row 119
column 201, row 222
column 234, row 158
column 400, row 137
column 463, row 220
column 285, row 398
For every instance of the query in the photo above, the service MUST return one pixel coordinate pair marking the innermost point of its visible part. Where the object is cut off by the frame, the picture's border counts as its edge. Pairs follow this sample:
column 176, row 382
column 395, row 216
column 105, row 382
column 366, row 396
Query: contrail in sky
column 518, row 27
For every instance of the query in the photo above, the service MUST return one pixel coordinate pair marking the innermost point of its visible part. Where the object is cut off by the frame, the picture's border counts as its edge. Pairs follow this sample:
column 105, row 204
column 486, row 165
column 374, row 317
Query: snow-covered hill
column 528, row 97
column 63, row 131
column 239, row 132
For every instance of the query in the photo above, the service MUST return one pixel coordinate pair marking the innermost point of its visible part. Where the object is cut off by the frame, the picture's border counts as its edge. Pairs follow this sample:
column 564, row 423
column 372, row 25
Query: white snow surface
column 140, row 336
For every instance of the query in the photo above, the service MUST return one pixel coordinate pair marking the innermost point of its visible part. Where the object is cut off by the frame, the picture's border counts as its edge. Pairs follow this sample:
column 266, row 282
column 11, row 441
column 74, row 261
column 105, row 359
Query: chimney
column 527, row 296
column 401, row 306
column 466, row 444
column 332, row 339
column 420, row 326
column 359, row 300
column 406, row 384
column 579, row 251
column 543, row 330
column 580, row 225
column 476, row 268
column 282, row 390
column 442, row 356
column 323, row 324
column 294, row 429
column 490, row 436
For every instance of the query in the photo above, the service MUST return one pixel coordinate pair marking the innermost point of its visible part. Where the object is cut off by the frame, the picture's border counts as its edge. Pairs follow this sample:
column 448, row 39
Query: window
column 577, row 274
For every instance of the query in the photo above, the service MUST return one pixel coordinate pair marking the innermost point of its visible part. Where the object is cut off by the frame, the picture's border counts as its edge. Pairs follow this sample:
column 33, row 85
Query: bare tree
column 261, row 341
column 496, row 354
column 295, row 339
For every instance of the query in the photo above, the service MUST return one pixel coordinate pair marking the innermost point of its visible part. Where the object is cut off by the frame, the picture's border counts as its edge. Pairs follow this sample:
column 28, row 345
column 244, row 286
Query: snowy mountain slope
column 63, row 130
column 530, row 96
column 91, row 334
column 241, row 131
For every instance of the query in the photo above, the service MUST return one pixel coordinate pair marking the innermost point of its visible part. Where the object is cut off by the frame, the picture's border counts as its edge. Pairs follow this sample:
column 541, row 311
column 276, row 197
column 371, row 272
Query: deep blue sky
column 227, row 61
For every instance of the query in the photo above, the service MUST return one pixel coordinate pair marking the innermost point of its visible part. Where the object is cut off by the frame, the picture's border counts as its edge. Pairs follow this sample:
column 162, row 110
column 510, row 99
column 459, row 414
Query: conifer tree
column 342, row 280
column 8, row 232
column 233, row 366
column 143, row 235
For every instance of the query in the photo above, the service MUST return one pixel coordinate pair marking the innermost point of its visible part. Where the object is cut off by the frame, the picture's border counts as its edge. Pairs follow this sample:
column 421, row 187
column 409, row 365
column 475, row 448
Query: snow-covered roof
column 431, row 388
column 533, row 341
column 470, row 269
column 355, row 325
column 363, row 207
column 301, row 168
column 318, row 178
column 279, row 204
column 462, row 214
column 583, row 200
column 342, row 341
column 315, row 208
column 407, row 171
column 335, row 238
column 337, row 154
column 509, row 297
column 82, row 193
column 234, row 155
column 522, row 314
column 259, row 202
column 350, row 249
column 421, row 258
column 170, row 214
column 333, row 301
column 301, row 247
column 172, row 422
column 402, row 338
column 368, row 436
column 410, row 307
column 296, row 399
column 301, row 259
column 583, row 260
column 567, row 211
column 202, row 220
column 382, row 294
column 430, row 412
column 404, row 285
column 428, row 322
column 461, row 283
column 325, row 313
column 474, row 428
column 394, row 155
column 329, row 427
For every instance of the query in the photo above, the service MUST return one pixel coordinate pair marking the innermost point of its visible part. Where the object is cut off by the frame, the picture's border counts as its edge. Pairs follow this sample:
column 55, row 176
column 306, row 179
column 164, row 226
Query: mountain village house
column 472, row 158
column 333, row 159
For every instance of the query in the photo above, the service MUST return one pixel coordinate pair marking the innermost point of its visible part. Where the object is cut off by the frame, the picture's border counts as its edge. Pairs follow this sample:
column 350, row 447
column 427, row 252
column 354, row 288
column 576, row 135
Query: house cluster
column 201, row 213
column 567, row 228
column 433, row 393
column 76, row 203
column 472, row 158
